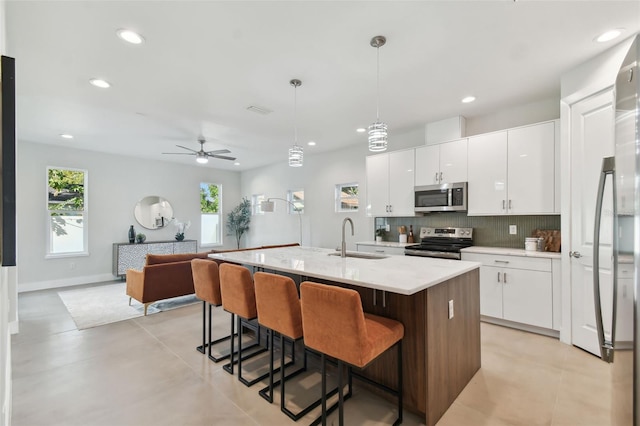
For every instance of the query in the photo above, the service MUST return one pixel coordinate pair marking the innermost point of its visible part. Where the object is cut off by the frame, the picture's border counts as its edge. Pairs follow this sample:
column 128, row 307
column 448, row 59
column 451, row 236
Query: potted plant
column 238, row 219
column 380, row 234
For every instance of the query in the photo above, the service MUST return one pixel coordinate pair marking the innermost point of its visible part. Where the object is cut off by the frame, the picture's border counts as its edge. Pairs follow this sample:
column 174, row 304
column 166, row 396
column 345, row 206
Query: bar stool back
column 334, row 324
column 238, row 298
column 279, row 310
column 206, row 282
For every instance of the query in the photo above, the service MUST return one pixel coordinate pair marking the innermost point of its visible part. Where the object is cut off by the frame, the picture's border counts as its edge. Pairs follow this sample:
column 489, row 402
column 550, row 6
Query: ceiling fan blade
column 178, row 153
column 184, row 147
column 223, row 157
column 219, row 151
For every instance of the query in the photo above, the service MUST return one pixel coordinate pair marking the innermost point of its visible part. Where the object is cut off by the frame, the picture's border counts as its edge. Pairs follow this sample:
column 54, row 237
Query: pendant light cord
column 378, row 83
column 295, row 116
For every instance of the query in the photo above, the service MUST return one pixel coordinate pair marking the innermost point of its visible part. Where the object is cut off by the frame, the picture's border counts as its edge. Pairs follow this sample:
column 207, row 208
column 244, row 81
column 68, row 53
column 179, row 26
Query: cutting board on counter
column 552, row 241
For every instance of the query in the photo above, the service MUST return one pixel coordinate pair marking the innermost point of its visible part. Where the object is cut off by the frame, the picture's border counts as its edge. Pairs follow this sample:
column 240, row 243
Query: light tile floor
column 146, row 371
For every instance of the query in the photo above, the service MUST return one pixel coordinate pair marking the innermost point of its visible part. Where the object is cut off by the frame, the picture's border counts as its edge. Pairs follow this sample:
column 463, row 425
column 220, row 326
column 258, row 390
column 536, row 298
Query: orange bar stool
column 334, row 324
column 279, row 310
column 238, row 298
column 206, row 282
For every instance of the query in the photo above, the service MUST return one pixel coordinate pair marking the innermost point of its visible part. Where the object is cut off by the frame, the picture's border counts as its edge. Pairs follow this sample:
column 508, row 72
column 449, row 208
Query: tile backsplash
column 492, row 231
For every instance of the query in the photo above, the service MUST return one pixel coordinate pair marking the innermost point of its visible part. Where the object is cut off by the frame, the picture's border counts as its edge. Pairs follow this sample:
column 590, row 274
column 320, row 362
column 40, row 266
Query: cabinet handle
column 440, row 177
column 374, row 297
column 390, row 208
column 503, row 204
column 498, row 276
column 504, row 276
column 501, row 261
column 435, row 178
column 379, row 251
column 384, row 299
column 509, row 204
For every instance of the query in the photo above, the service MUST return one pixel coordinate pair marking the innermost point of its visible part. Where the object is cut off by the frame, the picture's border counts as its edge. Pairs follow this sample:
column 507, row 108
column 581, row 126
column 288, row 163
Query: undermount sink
column 360, row 255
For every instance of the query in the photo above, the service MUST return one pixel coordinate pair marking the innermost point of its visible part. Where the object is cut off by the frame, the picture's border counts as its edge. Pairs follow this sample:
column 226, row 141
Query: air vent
column 259, row 109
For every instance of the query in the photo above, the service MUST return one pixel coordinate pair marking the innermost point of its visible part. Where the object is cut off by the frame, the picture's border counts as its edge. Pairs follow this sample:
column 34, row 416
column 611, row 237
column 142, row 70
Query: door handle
column 606, row 347
column 575, row 254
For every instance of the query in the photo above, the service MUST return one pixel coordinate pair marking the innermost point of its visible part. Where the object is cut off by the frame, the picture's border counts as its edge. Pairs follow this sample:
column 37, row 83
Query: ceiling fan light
column 202, row 159
column 378, row 137
column 296, row 156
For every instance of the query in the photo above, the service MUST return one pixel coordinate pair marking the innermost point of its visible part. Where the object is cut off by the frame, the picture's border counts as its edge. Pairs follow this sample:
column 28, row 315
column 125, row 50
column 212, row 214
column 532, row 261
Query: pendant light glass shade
column 295, row 156
column 378, row 130
column 296, row 153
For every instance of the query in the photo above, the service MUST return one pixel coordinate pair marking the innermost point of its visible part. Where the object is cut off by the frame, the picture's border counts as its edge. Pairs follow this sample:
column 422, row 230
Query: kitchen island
column 437, row 300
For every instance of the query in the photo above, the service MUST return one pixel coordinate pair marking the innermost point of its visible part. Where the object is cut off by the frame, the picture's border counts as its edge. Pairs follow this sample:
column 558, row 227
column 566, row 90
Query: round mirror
column 153, row 212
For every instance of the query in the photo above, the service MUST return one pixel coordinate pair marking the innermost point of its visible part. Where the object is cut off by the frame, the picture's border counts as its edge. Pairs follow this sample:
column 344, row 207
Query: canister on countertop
column 540, row 244
column 531, row 244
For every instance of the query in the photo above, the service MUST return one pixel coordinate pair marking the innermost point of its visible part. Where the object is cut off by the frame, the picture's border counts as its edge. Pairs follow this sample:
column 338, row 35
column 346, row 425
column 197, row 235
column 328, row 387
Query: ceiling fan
column 202, row 156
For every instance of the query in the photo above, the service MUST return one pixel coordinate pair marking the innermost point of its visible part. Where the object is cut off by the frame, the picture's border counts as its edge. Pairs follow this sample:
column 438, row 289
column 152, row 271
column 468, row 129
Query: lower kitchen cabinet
column 382, row 248
column 519, row 289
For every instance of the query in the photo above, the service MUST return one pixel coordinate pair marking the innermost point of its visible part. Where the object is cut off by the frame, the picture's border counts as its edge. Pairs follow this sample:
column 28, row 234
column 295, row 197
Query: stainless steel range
column 441, row 242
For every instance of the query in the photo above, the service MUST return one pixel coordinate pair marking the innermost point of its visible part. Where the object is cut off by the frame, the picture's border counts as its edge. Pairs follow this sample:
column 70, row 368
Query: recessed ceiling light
column 361, row 130
column 100, row 83
column 236, row 164
column 468, row 99
column 130, row 36
column 609, row 35
column 311, row 143
column 66, row 136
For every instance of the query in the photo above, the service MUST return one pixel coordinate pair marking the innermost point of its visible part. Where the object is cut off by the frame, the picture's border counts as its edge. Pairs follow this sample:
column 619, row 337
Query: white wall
column 116, row 183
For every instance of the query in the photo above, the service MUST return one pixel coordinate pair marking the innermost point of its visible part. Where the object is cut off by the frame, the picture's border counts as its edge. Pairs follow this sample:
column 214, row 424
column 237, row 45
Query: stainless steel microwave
column 446, row 197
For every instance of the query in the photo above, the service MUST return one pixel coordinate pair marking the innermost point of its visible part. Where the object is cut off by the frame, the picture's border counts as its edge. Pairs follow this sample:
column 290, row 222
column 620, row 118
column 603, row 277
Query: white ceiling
column 204, row 62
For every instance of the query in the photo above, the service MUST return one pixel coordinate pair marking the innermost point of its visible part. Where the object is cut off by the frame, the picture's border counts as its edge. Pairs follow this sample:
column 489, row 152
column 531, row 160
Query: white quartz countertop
column 510, row 252
column 385, row 244
column 397, row 274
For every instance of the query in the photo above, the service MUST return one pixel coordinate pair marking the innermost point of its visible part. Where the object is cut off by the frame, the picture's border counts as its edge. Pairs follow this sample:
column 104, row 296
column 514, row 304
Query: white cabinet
column 134, row 256
column 442, row 163
column 516, row 288
column 513, row 171
column 390, row 181
column 380, row 249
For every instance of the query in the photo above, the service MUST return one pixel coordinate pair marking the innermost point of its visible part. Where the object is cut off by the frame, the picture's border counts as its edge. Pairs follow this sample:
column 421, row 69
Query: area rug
column 105, row 304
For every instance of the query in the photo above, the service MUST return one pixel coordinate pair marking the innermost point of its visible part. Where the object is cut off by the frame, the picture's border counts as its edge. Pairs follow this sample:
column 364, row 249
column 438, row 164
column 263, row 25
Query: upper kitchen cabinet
column 442, row 163
column 390, row 181
column 513, row 171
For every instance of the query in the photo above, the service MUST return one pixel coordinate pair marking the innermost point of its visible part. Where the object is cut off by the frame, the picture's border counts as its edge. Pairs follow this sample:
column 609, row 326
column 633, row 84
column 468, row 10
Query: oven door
column 439, row 198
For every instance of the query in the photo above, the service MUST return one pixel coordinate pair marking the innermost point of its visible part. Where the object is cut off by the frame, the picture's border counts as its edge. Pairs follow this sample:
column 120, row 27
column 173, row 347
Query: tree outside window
column 347, row 197
column 67, row 212
column 210, row 222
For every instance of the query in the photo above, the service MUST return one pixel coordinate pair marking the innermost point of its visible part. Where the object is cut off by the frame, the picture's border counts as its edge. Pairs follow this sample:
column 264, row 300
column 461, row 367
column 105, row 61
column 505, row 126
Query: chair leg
column 229, row 367
column 204, row 310
column 400, row 384
column 324, row 390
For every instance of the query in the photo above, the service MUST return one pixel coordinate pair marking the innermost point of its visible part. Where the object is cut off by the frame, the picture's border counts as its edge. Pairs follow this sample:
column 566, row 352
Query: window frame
column 291, row 207
column 256, row 207
column 338, row 198
column 220, row 232
column 85, row 217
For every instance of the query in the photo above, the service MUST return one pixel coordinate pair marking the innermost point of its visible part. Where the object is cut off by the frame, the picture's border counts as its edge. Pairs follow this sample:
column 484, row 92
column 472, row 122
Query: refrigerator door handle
column 606, row 347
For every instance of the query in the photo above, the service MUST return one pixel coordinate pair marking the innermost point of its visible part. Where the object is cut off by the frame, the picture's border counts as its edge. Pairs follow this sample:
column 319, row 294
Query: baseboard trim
column 524, row 327
column 66, row 282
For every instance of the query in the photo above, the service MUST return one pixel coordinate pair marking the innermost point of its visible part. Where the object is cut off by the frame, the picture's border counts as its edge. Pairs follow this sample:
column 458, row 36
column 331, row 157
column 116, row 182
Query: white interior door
column 591, row 130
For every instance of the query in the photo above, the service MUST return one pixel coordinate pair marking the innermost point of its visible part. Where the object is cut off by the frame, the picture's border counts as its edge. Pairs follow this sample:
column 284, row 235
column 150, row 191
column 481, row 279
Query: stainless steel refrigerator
column 619, row 328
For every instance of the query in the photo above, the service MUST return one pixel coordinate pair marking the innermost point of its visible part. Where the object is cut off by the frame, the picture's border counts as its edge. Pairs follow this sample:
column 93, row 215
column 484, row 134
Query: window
column 256, row 207
column 210, row 221
column 347, row 197
column 296, row 198
column 66, row 212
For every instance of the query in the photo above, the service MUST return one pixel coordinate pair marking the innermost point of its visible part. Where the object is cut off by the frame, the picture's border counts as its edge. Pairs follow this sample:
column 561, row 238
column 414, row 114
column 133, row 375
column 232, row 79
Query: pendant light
column 378, row 130
column 295, row 152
